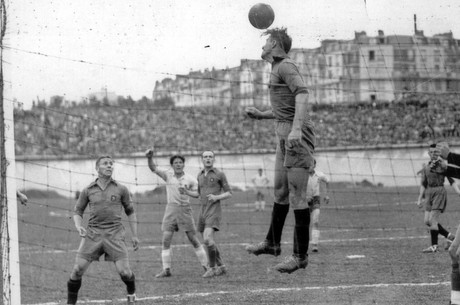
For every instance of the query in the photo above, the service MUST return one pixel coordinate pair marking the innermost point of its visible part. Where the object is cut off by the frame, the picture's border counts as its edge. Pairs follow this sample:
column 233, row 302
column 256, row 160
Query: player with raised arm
column 260, row 182
column 180, row 186
column 105, row 233
column 432, row 190
column 316, row 194
column 294, row 152
column 212, row 188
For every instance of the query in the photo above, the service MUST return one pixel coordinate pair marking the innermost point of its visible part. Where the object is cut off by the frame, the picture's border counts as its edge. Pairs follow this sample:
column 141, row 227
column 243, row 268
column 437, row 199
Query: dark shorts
column 178, row 216
column 435, row 198
column 98, row 242
column 300, row 156
column 209, row 221
column 314, row 203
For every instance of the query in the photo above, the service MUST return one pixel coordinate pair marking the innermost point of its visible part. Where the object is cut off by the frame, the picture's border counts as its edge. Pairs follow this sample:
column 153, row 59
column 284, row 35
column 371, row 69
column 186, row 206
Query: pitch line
column 258, row 291
column 158, row 247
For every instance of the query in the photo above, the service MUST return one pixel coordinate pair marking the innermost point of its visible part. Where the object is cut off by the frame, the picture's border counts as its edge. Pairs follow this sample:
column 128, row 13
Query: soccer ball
column 261, row 16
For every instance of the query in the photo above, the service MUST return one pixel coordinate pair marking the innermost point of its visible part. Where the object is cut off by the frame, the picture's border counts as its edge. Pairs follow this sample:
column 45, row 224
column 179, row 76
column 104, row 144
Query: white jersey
column 313, row 184
column 172, row 187
column 260, row 180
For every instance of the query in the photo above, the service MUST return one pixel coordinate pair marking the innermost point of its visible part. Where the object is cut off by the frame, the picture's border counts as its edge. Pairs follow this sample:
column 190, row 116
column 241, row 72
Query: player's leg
column 454, row 250
column 199, row 249
column 74, row 282
column 208, row 238
column 432, row 223
column 257, row 202
column 166, row 254
column 262, row 201
column 89, row 250
column 127, row 276
column 298, row 179
column 315, row 211
column 271, row 244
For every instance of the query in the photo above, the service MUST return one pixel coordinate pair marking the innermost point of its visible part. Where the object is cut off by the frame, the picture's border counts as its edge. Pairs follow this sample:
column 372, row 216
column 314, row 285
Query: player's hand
column 253, row 113
column 135, row 241
column 438, row 166
column 419, row 204
column 149, row 152
column 81, row 231
column 212, row 198
column 294, row 138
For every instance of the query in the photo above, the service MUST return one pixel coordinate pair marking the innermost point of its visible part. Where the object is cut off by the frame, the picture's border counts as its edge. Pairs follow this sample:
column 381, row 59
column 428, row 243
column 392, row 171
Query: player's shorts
column 300, row 156
column 99, row 241
column 178, row 216
column 209, row 221
column 435, row 198
column 314, row 203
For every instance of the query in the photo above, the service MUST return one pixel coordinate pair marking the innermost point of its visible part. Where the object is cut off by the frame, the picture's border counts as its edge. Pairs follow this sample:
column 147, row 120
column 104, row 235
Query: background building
column 363, row 69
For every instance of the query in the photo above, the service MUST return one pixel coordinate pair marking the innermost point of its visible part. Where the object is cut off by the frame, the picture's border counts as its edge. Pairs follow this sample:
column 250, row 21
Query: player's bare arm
column 189, row 191
column 256, row 114
column 213, row 198
column 153, row 167
column 132, row 219
column 301, row 109
column 78, row 220
column 420, row 196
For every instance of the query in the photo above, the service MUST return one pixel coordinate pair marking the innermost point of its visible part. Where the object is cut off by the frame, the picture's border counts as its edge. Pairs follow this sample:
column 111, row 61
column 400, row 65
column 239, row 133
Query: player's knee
column 77, row 272
column 125, row 274
column 208, row 242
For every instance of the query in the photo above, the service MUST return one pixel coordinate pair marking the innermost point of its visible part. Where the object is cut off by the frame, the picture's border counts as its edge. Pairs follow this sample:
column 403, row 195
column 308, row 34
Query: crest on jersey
column 113, row 198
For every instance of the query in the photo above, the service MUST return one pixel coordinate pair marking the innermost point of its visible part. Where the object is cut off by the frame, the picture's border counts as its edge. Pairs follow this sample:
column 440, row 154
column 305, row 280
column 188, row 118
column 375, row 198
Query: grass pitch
column 369, row 253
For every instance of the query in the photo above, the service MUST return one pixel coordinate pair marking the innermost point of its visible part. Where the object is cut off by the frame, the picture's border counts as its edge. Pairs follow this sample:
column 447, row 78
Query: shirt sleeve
column 453, row 172
column 424, row 181
column 453, row 158
column 82, row 202
column 291, row 76
column 193, row 184
column 224, row 183
column 127, row 201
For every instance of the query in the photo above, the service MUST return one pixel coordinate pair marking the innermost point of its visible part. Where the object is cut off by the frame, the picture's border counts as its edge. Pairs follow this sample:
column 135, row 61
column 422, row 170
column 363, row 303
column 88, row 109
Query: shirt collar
column 212, row 169
column 95, row 182
column 279, row 54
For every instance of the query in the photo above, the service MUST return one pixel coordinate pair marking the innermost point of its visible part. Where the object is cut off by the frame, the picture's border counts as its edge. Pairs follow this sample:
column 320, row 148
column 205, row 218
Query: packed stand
column 86, row 129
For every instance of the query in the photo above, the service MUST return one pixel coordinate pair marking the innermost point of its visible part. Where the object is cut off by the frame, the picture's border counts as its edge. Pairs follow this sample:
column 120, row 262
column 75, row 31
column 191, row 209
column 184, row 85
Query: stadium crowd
column 90, row 128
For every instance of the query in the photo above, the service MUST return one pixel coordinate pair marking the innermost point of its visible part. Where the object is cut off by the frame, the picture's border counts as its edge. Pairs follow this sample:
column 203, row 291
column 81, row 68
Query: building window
column 371, row 55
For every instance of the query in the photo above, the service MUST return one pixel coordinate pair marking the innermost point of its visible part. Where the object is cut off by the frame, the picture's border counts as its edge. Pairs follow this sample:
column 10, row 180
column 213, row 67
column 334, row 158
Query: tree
column 164, row 103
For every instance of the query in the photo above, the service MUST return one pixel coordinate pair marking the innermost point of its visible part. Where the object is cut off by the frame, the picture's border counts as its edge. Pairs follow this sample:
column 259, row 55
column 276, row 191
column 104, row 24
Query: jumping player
column 178, row 212
column 294, row 152
column 105, row 232
column 432, row 189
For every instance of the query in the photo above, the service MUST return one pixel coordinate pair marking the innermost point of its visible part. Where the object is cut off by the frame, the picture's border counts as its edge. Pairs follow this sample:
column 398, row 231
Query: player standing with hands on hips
column 294, row 152
column 178, row 213
column 105, row 233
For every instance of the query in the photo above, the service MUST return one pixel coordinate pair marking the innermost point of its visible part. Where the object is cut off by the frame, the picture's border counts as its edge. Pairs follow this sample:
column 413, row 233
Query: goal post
column 11, row 287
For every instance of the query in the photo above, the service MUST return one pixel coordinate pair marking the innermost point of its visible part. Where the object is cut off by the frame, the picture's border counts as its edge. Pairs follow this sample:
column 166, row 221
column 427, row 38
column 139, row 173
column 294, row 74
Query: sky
column 73, row 48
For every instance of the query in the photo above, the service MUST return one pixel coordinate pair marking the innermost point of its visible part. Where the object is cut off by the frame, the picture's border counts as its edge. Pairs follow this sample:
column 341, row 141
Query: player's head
column 104, row 166
column 433, row 152
column 277, row 38
column 208, row 158
column 260, row 171
column 443, row 148
column 177, row 163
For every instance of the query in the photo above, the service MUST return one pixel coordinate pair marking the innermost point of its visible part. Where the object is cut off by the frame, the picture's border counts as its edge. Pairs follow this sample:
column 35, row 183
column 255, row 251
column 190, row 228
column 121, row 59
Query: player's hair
column 213, row 154
column 433, row 145
column 102, row 157
column 171, row 160
column 281, row 36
